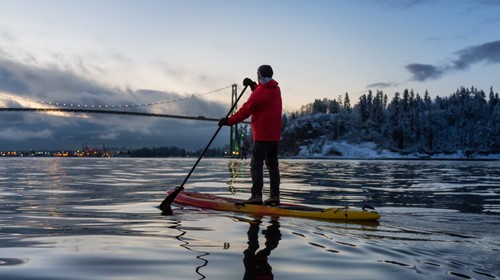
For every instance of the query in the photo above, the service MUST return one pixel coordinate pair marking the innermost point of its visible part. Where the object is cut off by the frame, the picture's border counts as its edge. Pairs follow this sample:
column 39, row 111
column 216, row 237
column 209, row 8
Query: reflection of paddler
column 256, row 264
column 243, row 153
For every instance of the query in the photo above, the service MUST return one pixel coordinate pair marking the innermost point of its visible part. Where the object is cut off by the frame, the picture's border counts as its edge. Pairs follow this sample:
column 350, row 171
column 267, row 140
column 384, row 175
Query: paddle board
column 220, row 203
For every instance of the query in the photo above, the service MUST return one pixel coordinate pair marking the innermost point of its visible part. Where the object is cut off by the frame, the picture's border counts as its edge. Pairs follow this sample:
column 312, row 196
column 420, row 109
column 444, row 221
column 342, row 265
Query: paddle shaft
column 165, row 205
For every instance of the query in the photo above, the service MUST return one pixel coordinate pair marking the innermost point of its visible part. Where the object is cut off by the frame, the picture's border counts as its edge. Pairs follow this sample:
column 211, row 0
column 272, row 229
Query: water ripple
column 97, row 219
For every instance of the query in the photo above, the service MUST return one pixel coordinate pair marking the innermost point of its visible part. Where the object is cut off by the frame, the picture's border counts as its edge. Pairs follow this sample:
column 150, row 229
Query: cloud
column 381, row 85
column 109, row 136
column 13, row 134
column 8, row 80
column 487, row 52
column 31, row 130
column 48, row 82
column 422, row 72
column 408, row 4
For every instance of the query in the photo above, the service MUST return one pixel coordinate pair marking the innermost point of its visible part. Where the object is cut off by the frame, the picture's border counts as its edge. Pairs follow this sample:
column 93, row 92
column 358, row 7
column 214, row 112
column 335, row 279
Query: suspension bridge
column 109, row 112
column 236, row 135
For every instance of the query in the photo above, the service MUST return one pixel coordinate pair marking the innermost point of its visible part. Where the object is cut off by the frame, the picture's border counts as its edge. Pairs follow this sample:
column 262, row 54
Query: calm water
column 97, row 219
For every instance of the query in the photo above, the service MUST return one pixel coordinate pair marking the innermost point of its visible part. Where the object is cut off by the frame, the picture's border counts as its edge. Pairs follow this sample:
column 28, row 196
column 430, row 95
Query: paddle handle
column 165, row 205
column 211, row 140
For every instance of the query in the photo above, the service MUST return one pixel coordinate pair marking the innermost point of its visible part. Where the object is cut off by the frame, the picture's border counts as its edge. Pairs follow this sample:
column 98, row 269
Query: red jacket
column 264, row 105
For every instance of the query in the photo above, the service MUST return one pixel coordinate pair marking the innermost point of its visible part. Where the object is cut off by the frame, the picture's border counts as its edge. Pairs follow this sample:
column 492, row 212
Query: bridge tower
column 234, row 136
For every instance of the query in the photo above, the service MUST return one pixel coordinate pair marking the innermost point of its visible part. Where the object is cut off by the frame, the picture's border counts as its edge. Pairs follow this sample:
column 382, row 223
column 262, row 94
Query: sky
column 134, row 51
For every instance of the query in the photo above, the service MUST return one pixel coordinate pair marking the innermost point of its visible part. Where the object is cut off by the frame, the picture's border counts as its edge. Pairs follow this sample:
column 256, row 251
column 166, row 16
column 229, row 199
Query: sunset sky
column 57, row 49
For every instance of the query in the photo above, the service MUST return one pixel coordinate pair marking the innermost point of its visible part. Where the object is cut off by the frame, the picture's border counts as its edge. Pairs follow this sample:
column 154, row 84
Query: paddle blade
column 165, row 205
column 168, row 211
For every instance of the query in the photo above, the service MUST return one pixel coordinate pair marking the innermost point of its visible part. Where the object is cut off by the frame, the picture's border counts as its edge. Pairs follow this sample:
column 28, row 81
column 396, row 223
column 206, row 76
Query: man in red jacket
column 264, row 105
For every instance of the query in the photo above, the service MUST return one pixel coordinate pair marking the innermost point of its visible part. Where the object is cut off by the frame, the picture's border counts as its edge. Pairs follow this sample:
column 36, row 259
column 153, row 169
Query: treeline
column 468, row 120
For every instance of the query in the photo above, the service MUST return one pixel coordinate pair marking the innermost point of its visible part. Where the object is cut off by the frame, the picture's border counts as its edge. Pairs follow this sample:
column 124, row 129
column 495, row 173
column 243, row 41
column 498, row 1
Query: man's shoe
column 253, row 200
column 272, row 201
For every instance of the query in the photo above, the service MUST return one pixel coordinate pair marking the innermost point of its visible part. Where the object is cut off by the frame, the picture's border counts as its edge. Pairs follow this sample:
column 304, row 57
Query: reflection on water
column 256, row 262
column 10, row 261
column 461, row 185
column 236, row 171
column 199, row 254
column 97, row 219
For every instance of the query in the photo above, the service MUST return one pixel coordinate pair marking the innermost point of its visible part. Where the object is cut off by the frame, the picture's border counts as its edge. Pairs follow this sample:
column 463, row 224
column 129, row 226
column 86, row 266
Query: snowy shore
column 369, row 150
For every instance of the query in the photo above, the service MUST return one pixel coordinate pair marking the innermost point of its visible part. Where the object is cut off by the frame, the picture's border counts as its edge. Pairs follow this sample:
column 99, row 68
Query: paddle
column 165, row 205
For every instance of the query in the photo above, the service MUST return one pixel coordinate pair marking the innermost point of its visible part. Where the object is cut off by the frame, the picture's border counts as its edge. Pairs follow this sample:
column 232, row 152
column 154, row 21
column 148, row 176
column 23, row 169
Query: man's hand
column 250, row 83
column 223, row 122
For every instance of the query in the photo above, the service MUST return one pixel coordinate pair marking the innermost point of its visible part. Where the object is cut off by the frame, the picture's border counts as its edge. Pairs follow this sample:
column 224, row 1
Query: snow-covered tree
column 464, row 121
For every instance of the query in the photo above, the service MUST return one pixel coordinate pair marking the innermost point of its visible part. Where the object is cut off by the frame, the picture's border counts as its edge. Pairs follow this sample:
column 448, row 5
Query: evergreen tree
column 347, row 103
column 333, row 107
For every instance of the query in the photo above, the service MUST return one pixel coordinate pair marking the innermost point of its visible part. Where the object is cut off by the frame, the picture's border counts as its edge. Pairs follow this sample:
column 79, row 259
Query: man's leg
column 274, row 174
column 273, row 166
column 259, row 152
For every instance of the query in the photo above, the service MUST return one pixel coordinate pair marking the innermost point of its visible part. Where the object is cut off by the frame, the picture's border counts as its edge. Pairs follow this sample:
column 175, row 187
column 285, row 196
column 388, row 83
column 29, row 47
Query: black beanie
column 265, row 71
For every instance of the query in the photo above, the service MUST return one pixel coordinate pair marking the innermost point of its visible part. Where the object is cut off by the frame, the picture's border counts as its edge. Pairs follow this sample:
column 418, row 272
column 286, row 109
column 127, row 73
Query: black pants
column 265, row 151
